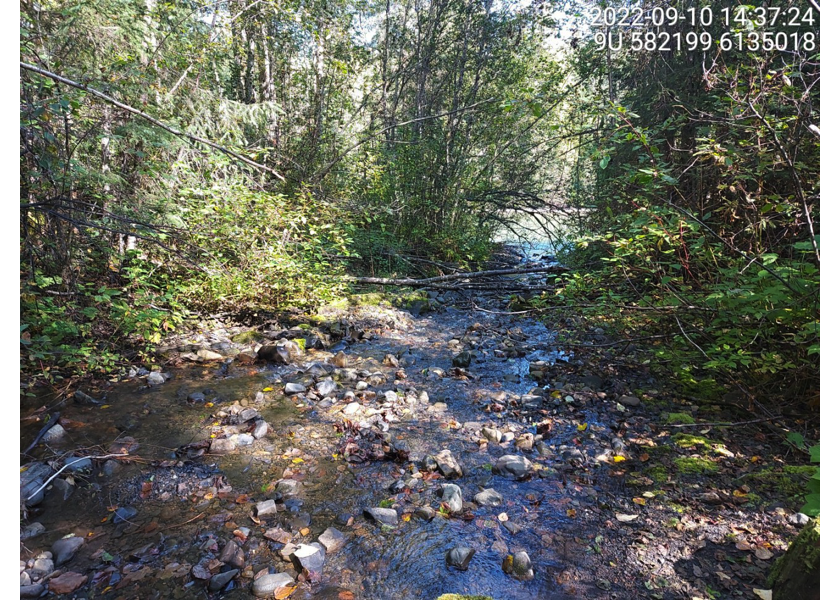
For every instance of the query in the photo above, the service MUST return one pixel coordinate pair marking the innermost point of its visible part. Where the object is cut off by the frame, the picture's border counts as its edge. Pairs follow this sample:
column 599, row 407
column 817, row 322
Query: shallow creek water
column 188, row 508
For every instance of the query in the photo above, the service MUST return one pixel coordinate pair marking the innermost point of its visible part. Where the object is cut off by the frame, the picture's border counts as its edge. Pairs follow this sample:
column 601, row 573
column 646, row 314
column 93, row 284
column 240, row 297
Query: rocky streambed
column 384, row 455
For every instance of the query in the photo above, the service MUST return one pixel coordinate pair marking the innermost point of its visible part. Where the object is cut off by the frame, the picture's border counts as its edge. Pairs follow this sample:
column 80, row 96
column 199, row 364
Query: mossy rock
column 246, row 337
column 463, row 597
column 679, row 418
column 796, row 575
column 692, row 465
column 370, row 299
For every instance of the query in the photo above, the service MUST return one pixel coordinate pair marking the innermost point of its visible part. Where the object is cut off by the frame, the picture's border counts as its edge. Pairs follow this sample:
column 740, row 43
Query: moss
column 659, row 450
column 658, row 473
column 679, row 418
column 246, row 337
column 689, row 464
column 790, row 481
column 369, row 299
column 686, row 440
column 301, row 343
column 462, row 597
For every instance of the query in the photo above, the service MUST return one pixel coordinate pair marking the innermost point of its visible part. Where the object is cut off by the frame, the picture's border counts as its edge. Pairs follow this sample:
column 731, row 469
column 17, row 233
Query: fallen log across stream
column 434, row 281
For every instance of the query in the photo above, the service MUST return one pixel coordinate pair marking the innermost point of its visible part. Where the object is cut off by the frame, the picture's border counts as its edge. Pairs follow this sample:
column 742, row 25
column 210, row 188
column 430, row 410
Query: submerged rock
column 447, row 465
column 385, row 516
column 460, row 557
column 518, row 566
column 488, row 497
column 451, row 494
column 310, row 557
column 512, row 465
column 220, row 580
column 332, row 539
column 264, row 586
column 462, row 360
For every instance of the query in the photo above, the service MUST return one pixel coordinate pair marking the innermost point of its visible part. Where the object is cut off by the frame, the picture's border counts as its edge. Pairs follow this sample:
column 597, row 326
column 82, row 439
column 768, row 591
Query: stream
column 161, row 524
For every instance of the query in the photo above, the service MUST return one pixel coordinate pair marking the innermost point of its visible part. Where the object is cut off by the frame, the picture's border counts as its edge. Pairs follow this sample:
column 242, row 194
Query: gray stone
column 31, row 591
column 451, row 494
column 385, row 516
column 124, row 514
column 326, row 387
column 427, row 513
column 260, row 430
column 512, row 527
column 42, row 568
column 25, row 579
column 266, row 507
column 220, row 580
column 65, row 548
column 242, row 439
column 592, row 381
column 208, row 355
column 294, row 388
column 517, row 466
column 264, row 586
column 197, row 398
column 391, row 396
column 54, row 434
column 110, row 467
column 519, row 566
column 233, row 555
column 332, row 539
column 543, row 449
column 629, row 401
column 32, row 479
column 460, row 557
column 494, row 435
column 155, row 378
column 447, row 465
column 247, row 415
column 799, row 519
column 310, row 557
column 287, row 487
column 463, row 360
column 488, row 497
column 32, row 530
column 352, row 408
column 221, row 445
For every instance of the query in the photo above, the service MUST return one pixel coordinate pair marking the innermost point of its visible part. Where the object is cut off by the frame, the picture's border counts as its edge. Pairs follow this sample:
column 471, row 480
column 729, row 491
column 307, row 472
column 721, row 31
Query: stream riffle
column 188, row 495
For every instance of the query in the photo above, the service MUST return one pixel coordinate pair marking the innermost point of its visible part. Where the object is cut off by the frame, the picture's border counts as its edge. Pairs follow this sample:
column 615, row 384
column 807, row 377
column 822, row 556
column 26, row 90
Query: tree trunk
column 796, row 575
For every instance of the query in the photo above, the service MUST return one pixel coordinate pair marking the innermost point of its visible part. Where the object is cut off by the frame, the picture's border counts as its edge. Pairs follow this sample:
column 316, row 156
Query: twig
column 198, row 516
column 57, row 473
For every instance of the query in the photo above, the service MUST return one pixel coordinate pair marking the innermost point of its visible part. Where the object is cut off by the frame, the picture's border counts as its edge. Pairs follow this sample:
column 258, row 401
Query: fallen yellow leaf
column 209, row 405
column 406, row 517
column 297, row 461
column 268, row 389
column 619, row 459
column 640, row 501
column 284, row 592
column 571, row 512
column 582, row 426
column 105, row 406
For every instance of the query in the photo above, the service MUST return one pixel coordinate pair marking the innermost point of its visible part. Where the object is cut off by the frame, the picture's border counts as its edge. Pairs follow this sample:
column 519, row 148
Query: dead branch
column 430, row 281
